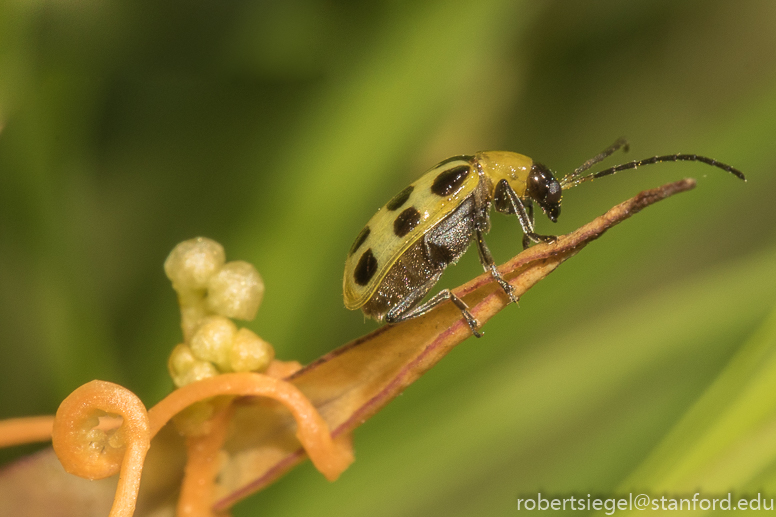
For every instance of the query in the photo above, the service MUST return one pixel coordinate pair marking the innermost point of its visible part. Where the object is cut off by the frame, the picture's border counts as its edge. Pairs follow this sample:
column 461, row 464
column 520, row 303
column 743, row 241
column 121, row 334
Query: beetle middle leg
column 486, row 259
column 404, row 311
column 530, row 212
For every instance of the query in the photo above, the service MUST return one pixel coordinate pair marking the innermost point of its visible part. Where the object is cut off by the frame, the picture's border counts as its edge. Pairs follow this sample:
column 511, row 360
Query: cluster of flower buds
column 210, row 291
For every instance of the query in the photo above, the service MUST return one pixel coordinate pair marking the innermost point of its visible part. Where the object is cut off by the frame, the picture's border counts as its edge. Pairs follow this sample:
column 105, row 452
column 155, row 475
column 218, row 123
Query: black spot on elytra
column 439, row 254
column 359, row 240
column 447, row 181
column 366, row 268
column 399, row 199
column 406, row 221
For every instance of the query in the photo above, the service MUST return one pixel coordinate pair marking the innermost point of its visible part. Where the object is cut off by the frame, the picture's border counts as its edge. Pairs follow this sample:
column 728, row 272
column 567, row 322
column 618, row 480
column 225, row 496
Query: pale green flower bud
column 250, row 353
column 235, row 291
column 191, row 263
column 212, row 341
column 185, row 368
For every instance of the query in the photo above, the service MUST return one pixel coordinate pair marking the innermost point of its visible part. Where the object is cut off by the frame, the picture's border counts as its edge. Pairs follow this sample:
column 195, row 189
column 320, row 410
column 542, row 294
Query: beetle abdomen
column 410, row 275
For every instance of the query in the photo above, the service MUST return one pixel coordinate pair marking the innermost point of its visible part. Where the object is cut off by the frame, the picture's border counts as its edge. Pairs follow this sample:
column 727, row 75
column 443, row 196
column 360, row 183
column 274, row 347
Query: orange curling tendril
column 87, row 450
column 92, row 453
column 202, row 467
column 282, row 369
column 328, row 456
column 16, row 431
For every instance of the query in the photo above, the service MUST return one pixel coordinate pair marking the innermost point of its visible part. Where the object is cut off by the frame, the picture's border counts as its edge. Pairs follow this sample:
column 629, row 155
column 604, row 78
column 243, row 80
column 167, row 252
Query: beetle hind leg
column 405, row 310
column 435, row 300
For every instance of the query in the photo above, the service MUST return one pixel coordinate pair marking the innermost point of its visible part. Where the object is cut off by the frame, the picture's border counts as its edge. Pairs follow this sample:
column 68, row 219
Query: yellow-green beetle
column 403, row 250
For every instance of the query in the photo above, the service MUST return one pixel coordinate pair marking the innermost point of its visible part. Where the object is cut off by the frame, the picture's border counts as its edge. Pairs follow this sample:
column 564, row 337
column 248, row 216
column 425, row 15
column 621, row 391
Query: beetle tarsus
column 528, row 238
column 441, row 296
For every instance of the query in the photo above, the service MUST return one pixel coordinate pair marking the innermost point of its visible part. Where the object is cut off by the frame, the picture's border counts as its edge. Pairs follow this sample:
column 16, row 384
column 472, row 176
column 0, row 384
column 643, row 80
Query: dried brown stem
column 353, row 382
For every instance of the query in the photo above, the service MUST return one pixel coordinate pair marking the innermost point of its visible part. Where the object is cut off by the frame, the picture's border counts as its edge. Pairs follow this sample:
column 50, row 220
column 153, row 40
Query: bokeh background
column 278, row 128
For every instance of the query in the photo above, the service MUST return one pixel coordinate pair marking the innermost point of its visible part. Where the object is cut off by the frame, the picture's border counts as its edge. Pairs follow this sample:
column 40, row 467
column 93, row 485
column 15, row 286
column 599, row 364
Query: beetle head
column 545, row 190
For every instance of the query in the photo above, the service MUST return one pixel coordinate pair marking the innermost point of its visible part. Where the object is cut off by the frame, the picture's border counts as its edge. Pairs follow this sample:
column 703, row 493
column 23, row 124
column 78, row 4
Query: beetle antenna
column 571, row 178
column 572, row 181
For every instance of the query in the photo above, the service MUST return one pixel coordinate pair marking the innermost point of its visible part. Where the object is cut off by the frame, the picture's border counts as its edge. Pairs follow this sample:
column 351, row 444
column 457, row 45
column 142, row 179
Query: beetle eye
column 542, row 187
column 554, row 193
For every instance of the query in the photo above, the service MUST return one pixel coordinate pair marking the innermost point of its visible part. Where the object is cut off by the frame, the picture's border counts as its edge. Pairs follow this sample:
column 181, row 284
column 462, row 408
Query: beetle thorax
column 498, row 165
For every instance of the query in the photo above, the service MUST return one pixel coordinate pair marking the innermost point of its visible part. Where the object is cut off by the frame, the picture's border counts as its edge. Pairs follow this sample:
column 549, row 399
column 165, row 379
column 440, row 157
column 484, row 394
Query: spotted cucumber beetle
column 406, row 246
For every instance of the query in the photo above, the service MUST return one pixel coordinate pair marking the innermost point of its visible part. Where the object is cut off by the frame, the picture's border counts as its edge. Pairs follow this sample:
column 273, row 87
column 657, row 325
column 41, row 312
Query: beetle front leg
column 525, row 222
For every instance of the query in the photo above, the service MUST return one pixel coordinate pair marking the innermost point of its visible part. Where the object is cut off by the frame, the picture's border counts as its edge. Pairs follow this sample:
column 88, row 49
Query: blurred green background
column 278, row 128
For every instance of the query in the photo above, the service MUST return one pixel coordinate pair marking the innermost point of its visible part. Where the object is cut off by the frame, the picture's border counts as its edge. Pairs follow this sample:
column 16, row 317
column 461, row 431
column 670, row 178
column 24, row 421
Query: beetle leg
column 529, row 209
column 403, row 310
column 486, row 259
column 525, row 222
